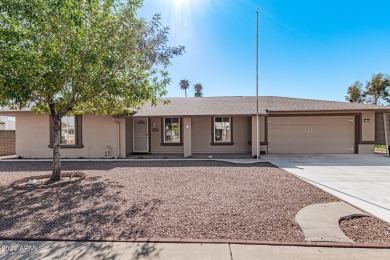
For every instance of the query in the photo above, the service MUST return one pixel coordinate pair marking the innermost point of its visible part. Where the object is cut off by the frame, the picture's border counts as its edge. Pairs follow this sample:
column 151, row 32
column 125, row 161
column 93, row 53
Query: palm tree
column 184, row 85
column 198, row 90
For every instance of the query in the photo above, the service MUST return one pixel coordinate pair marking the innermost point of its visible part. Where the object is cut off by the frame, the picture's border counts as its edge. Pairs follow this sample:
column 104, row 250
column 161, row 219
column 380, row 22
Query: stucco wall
column 368, row 127
column 33, row 137
column 202, row 137
column 129, row 135
column 187, row 136
column 261, row 134
column 366, row 148
column 123, row 137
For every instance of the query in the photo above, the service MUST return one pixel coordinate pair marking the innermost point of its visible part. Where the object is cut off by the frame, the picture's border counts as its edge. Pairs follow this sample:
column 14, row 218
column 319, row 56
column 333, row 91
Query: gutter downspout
column 119, row 138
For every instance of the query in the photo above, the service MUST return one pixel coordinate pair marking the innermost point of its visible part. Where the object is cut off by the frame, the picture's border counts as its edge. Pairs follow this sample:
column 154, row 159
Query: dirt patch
column 366, row 230
column 45, row 182
column 182, row 199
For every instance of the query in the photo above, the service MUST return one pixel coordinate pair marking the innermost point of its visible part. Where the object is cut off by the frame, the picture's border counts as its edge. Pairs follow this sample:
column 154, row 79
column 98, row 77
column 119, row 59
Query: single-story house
column 210, row 125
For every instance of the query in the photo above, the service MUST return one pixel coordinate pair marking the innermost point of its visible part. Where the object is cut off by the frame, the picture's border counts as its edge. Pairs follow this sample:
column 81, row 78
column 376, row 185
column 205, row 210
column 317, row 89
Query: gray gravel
column 188, row 199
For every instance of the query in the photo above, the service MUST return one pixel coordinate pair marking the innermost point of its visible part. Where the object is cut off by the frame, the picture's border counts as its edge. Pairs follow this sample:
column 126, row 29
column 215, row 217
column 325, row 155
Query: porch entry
column 140, row 135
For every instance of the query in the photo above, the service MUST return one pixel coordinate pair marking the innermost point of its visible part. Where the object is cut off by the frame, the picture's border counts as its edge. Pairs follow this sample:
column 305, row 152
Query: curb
column 208, row 241
column 233, row 161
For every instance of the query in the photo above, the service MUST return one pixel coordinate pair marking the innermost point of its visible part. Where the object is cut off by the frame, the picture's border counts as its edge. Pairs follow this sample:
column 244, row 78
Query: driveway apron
column 362, row 180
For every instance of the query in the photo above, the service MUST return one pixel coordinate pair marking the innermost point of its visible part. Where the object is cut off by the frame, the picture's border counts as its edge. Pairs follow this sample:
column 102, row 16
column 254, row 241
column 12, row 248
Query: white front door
column 140, row 135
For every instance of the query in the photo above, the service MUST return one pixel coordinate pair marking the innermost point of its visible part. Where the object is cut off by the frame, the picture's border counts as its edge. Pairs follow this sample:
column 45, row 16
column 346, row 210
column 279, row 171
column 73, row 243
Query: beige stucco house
column 210, row 125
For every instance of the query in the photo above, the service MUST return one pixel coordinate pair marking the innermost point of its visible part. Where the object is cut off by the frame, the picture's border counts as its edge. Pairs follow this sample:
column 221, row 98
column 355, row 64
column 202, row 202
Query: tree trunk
column 56, row 174
column 376, row 98
column 185, row 91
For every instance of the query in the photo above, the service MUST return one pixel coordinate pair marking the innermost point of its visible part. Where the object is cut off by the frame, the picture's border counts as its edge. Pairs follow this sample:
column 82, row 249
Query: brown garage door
column 321, row 134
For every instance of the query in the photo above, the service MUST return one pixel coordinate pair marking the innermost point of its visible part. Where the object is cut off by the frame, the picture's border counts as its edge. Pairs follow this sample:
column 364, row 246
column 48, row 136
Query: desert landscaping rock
column 182, row 199
column 366, row 230
column 31, row 182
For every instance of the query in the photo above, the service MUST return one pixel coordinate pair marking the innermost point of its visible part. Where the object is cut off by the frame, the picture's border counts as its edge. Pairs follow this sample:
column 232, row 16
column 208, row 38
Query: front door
column 140, row 135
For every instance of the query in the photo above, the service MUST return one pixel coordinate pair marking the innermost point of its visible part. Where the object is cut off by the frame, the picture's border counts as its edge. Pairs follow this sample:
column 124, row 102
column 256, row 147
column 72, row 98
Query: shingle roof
column 25, row 109
column 193, row 106
column 247, row 106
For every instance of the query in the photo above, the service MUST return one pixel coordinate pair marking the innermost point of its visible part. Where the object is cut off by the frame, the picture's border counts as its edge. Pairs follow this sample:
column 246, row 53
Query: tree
column 184, row 85
column 87, row 56
column 355, row 93
column 377, row 89
column 198, row 90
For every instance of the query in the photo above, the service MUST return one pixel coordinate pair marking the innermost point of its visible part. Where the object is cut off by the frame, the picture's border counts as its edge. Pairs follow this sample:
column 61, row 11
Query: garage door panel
column 328, row 134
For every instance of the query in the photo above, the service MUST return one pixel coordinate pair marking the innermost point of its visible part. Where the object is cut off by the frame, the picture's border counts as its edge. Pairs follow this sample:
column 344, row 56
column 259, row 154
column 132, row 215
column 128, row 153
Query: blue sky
column 307, row 48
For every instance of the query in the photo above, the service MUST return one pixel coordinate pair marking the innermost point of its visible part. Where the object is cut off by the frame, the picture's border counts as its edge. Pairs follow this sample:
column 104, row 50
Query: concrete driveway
column 362, row 180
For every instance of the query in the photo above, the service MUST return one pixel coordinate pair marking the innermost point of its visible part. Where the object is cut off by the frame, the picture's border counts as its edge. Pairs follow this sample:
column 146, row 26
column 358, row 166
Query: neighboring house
column 208, row 125
column 6, row 123
column 7, row 136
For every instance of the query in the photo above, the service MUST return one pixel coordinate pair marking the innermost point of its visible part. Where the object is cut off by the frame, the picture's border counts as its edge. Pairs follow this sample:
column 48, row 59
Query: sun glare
column 181, row 17
column 179, row 2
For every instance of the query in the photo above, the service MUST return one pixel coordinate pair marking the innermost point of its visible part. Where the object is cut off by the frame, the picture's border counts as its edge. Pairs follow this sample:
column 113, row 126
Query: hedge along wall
column 7, row 142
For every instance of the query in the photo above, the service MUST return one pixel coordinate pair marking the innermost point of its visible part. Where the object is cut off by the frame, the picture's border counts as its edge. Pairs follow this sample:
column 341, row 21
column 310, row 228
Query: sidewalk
column 230, row 160
column 173, row 251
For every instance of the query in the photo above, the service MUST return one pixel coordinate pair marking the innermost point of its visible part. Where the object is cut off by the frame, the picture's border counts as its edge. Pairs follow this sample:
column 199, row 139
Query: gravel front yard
column 188, row 199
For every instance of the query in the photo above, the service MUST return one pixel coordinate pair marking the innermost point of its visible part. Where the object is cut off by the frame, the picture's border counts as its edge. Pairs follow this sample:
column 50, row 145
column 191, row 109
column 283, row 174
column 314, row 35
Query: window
column 222, row 130
column 68, row 134
column 171, row 130
column 71, row 135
